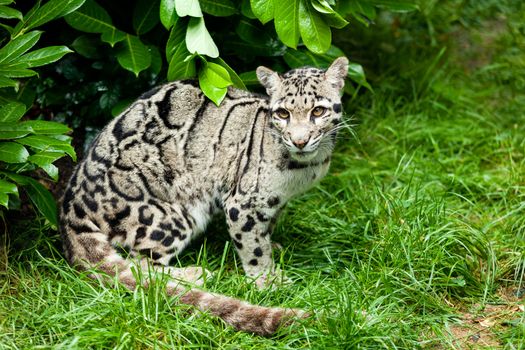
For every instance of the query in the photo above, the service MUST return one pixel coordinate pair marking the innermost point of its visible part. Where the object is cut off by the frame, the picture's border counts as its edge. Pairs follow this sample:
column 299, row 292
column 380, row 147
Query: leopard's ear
column 336, row 73
column 269, row 79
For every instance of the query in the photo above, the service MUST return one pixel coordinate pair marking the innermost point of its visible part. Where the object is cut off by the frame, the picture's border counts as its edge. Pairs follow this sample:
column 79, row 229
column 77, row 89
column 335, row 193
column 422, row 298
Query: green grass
column 420, row 223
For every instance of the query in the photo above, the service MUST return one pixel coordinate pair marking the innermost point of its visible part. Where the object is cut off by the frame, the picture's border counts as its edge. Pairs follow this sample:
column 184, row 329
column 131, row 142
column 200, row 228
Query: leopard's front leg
column 250, row 225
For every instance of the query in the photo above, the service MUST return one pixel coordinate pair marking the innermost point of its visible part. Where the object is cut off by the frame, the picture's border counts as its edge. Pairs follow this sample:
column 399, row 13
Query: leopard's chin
column 304, row 156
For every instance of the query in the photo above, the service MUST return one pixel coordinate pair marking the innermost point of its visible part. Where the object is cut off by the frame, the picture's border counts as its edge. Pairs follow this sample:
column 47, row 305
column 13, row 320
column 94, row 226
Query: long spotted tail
column 92, row 250
column 240, row 314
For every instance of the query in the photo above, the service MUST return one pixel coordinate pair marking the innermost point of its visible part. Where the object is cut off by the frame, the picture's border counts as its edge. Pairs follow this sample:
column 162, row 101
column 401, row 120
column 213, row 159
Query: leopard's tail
column 92, row 250
column 240, row 314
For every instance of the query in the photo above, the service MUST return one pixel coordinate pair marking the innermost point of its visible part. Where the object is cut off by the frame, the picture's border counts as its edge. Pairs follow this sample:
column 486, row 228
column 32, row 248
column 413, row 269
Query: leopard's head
column 305, row 107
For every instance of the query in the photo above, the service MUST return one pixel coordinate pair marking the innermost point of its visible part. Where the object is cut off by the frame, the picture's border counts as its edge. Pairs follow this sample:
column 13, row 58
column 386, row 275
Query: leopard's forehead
column 302, row 88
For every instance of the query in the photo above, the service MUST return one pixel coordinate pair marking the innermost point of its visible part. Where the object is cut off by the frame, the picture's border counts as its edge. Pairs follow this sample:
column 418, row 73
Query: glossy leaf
column 12, row 152
column 133, row 55
column 287, row 21
column 12, row 112
column 6, row 188
column 87, row 46
column 145, row 16
column 15, row 71
column 357, row 74
column 47, row 143
column 199, row 40
column 7, row 12
column 44, row 127
column 235, row 79
column 14, row 130
column 44, row 56
column 188, row 8
column 263, row 9
column 315, row 32
column 51, row 10
column 246, row 10
column 42, row 199
column 176, row 53
column 216, row 75
column 90, row 18
column 219, row 8
column 168, row 15
column 249, row 78
column 6, row 82
column 213, row 81
column 113, row 36
column 18, row 46
column 45, row 161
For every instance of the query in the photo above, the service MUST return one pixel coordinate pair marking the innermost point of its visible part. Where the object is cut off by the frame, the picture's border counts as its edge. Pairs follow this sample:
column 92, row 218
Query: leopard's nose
column 300, row 143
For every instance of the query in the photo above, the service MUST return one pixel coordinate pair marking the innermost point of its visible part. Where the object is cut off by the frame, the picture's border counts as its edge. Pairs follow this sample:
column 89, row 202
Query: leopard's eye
column 318, row 111
column 282, row 113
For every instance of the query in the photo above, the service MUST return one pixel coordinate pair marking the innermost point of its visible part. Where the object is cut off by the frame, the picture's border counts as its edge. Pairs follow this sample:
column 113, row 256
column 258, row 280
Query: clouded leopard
column 157, row 173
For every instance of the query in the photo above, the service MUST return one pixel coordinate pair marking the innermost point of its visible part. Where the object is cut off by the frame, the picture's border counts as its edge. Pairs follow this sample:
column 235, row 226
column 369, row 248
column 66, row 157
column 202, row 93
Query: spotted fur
column 156, row 174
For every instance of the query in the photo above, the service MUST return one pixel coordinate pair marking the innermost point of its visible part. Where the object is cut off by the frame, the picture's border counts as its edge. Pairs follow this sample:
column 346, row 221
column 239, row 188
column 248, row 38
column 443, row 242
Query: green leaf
column 287, row 21
column 14, row 130
column 198, row 40
column 45, row 161
column 216, row 75
column 44, row 56
column 235, row 79
column 357, row 74
column 145, row 16
column 263, row 9
column 18, row 46
column 12, row 112
column 246, row 10
column 6, row 188
column 12, row 152
column 51, row 10
column 133, row 55
column 249, row 78
column 168, row 15
column 87, row 46
column 4, row 200
column 15, row 71
column 331, row 17
column 7, row 12
column 42, row 199
column 113, row 36
column 363, row 11
column 315, row 32
column 335, row 20
column 214, row 81
column 176, row 53
column 47, row 143
column 44, row 127
column 219, row 8
column 188, row 8
column 90, row 18
column 6, row 2
column 5, row 82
